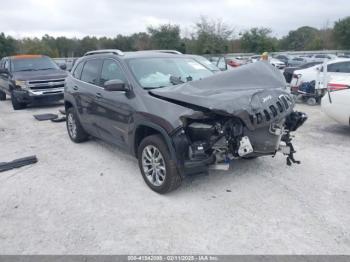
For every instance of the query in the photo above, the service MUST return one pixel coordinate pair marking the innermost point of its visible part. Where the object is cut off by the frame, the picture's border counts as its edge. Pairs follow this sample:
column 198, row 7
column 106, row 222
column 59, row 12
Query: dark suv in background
column 27, row 78
column 176, row 115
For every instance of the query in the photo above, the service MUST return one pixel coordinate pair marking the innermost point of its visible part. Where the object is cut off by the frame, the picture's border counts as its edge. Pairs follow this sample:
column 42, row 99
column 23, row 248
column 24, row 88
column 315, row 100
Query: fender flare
column 161, row 130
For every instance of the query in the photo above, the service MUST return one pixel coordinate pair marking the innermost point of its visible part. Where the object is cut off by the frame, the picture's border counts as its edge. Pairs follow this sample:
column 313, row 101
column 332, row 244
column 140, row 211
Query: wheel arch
column 145, row 129
column 67, row 105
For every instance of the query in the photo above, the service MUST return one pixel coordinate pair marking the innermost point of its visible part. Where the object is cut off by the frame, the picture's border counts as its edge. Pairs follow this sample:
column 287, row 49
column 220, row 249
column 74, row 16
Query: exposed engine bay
column 223, row 139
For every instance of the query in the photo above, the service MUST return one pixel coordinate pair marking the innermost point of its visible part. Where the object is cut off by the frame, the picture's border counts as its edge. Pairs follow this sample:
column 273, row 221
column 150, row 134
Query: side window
column 111, row 70
column 78, row 70
column 91, row 71
column 333, row 68
column 343, row 67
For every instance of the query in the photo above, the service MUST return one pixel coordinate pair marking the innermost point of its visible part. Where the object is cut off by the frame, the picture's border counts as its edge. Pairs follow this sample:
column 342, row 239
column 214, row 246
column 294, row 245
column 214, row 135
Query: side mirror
column 115, row 85
column 63, row 66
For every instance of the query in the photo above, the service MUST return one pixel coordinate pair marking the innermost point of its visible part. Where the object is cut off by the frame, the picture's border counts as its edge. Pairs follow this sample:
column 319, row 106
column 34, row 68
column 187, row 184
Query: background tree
column 211, row 36
column 258, row 40
column 165, row 36
column 304, row 38
column 35, row 46
column 141, row 41
column 7, row 45
column 342, row 32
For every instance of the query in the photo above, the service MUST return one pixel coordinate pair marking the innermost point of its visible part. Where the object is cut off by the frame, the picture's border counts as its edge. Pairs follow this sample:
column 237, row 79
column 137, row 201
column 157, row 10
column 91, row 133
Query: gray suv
column 176, row 115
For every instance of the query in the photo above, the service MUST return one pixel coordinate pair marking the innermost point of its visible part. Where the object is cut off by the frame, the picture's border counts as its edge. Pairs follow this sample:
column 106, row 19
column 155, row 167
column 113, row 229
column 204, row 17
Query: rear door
column 86, row 93
column 113, row 108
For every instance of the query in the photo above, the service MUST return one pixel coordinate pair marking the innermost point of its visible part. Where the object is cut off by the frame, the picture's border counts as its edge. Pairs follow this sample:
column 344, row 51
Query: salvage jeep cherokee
column 175, row 115
column 29, row 78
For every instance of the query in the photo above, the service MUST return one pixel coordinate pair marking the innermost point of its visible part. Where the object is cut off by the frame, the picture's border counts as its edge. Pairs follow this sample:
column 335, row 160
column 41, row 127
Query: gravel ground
column 91, row 199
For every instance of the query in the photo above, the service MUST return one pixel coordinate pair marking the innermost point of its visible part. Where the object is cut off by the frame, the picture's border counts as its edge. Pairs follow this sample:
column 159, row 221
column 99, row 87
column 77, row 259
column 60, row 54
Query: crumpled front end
column 244, row 114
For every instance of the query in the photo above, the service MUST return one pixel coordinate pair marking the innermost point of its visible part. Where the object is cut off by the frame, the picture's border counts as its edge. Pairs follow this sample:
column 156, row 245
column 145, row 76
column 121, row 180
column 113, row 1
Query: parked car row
column 308, row 81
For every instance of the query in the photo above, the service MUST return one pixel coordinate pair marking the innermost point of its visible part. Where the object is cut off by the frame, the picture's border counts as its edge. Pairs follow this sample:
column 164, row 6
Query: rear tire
column 15, row 104
column 2, row 96
column 75, row 130
column 158, row 169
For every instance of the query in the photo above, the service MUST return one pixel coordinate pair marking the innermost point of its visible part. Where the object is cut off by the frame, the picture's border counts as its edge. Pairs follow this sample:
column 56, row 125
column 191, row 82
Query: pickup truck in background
column 27, row 78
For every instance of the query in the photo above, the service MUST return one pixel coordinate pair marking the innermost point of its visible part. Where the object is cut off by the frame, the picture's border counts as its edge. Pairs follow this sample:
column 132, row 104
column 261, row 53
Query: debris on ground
column 59, row 119
column 43, row 117
column 5, row 166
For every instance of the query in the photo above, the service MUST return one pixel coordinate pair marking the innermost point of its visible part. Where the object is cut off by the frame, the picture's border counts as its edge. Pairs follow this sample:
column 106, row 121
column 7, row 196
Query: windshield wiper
column 152, row 87
column 46, row 68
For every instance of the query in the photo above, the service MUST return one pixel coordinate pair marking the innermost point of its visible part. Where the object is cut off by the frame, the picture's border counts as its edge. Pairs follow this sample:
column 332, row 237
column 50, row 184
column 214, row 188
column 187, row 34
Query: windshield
column 33, row 64
column 160, row 72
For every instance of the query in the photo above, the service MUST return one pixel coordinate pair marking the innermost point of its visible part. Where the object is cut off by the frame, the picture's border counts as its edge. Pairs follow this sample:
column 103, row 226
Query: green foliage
column 304, row 38
column 258, row 40
column 36, row 46
column 342, row 32
column 165, row 36
column 211, row 37
column 7, row 45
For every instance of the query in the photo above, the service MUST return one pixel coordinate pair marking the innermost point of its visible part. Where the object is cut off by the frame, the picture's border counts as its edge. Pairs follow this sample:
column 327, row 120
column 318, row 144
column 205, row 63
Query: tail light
column 337, row 87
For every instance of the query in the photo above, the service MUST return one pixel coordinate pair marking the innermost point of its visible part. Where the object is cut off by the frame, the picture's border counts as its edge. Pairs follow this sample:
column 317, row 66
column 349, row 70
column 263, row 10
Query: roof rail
column 104, row 51
column 169, row 52
column 163, row 51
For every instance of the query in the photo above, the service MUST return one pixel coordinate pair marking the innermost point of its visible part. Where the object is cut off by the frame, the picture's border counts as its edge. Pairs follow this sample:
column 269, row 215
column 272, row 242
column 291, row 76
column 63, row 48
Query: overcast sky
column 78, row 18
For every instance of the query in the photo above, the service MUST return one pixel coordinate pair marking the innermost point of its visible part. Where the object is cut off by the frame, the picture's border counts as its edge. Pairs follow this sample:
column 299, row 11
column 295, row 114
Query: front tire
column 15, row 104
column 158, row 169
column 75, row 130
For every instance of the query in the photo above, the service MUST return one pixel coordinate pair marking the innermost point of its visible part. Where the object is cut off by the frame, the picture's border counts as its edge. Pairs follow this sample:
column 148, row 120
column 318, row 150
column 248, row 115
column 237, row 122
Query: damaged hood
column 243, row 92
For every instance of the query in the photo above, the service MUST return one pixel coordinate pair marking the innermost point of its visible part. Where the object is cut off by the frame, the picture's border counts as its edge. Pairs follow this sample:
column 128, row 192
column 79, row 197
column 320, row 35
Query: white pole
column 325, row 75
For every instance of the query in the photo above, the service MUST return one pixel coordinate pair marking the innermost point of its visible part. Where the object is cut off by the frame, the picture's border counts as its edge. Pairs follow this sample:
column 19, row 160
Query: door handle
column 75, row 88
column 98, row 95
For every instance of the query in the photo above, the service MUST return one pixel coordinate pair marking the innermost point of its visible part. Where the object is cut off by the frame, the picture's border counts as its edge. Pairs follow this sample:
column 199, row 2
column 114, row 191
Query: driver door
column 113, row 110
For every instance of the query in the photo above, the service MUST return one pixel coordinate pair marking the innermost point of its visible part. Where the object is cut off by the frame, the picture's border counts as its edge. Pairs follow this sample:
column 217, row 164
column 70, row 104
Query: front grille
column 270, row 113
column 46, row 84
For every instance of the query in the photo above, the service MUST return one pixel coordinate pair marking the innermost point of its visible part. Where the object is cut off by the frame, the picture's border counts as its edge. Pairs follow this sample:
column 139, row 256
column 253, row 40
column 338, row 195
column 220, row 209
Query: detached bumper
column 29, row 96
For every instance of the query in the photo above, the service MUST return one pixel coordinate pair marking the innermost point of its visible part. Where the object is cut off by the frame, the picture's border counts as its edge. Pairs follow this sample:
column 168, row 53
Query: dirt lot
column 90, row 198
